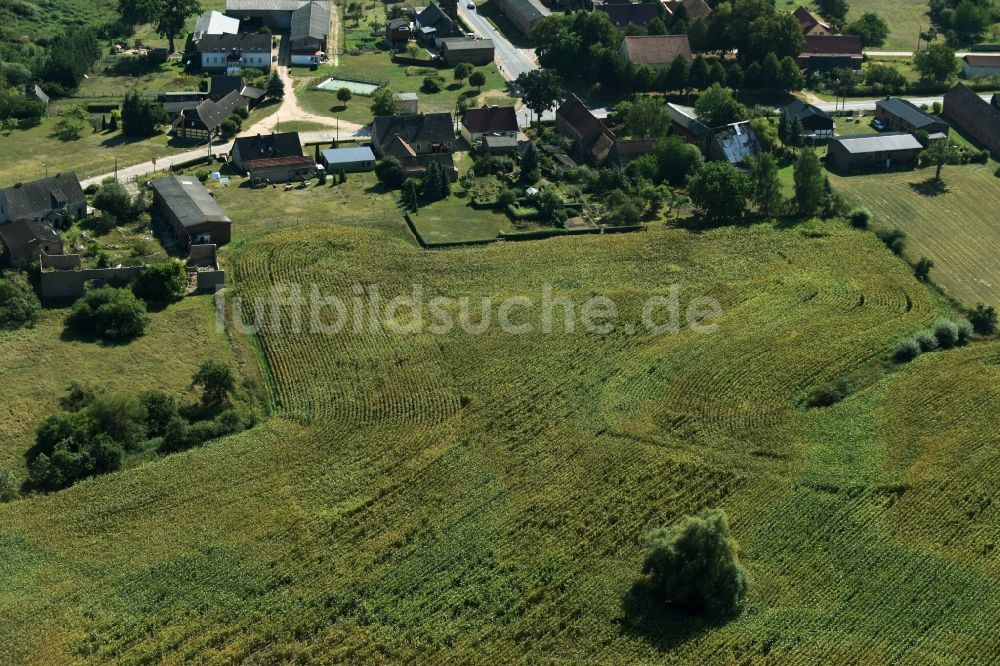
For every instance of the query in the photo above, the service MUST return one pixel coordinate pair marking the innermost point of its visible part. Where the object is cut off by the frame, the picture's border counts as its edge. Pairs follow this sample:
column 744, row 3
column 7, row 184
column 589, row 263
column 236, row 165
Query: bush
column 906, row 350
column 829, row 395
column 983, row 319
column 110, row 313
column 693, row 565
column 894, row 239
column 69, row 447
column 926, row 341
column 19, row 306
column 860, row 218
column 161, row 282
column 390, row 172
column 112, row 198
column 922, row 270
column 8, row 486
column 120, row 416
column 160, row 409
column 215, row 379
column 431, row 84
column 946, row 333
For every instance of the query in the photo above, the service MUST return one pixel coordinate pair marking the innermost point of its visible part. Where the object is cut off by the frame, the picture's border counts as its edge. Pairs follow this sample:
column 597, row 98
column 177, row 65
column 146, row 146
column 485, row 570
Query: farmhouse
column 309, row 32
column 816, row 123
column 735, row 143
column 193, row 215
column 900, row 115
column 523, row 13
column 489, row 120
column 205, row 119
column 271, row 13
column 221, row 85
column 281, row 169
column 825, row 52
column 399, row 30
column 624, row 14
column 590, row 137
column 423, row 133
column 696, row 10
column 810, row 23
column 974, row 115
column 335, row 160
column 434, row 25
column 27, row 239
column 473, row 51
column 214, row 23
column 657, row 51
column 625, row 151
column 265, row 146
column 980, row 64
column 43, row 199
column 687, row 127
column 175, row 102
column 876, row 151
column 227, row 53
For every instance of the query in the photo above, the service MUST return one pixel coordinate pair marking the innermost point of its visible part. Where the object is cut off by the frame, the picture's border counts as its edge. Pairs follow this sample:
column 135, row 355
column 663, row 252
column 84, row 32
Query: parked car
column 471, row 5
column 878, row 124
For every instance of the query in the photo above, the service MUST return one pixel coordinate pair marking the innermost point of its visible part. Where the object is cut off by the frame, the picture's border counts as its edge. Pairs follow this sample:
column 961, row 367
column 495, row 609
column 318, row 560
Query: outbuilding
column 27, row 239
column 192, row 213
column 889, row 150
column 335, row 160
column 901, row 115
column 473, row 51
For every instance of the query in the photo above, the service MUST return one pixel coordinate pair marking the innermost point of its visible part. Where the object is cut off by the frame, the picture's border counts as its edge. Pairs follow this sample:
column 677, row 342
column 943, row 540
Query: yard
column 906, row 18
column 454, row 221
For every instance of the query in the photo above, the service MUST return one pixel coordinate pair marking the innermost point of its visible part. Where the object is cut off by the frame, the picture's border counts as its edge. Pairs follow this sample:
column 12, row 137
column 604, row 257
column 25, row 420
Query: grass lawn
column 115, row 79
column 855, row 126
column 453, row 220
column 957, row 229
column 906, row 18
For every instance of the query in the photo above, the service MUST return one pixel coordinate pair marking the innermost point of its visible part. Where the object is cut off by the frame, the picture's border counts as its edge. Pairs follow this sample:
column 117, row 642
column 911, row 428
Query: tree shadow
column 454, row 86
column 122, row 139
column 648, row 618
column 931, row 187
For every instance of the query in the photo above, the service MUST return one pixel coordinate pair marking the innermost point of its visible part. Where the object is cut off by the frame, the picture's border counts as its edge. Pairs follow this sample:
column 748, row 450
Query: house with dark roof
column 226, row 53
column 980, row 64
column 816, row 123
column 657, row 51
column 588, row 134
column 399, row 30
column 43, row 199
column 696, row 10
column 825, row 52
column 622, row 15
column 220, row 85
column 488, row 121
column 499, row 145
column 434, row 25
column 264, row 146
column 735, row 143
column 625, row 151
column 272, row 13
column 900, row 115
column 309, row 32
column 473, row 51
column 685, row 125
column 175, row 102
column 810, row 23
column 422, row 133
column 290, row 169
column 26, row 240
column 975, row 115
column 193, row 214
column 873, row 152
column 204, row 120
column 523, row 13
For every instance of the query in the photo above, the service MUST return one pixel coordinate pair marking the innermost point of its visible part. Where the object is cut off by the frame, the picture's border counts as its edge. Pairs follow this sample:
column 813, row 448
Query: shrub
column 860, row 218
column 110, row 313
column 160, row 409
column 965, row 331
column 906, row 350
column 112, row 198
column 69, row 447
column 946, row 333
column 926, row 341
column 8, row 486
column 894, row 239
column 161, row 282
column 922, row 270
column 829, row 395
column 19, row 306
column 390, row 172
column 693, row 565
column 983, row 319
column 431, row 84
column 215, row 379
column 120, row 416
column 79, row 395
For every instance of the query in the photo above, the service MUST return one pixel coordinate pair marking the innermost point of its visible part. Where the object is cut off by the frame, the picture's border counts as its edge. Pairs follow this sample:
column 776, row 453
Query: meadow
column 483, row 498
column 906, row 19
column 955, row 228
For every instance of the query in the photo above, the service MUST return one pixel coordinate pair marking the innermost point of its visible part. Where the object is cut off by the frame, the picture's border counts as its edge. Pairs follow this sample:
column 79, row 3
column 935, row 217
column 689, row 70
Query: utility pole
column 116, row 167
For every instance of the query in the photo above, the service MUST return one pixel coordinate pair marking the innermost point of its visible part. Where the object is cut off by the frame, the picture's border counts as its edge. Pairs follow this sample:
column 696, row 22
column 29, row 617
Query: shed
column 348, row 159
column 27, row 239
column 876, row 151
column 191, row 211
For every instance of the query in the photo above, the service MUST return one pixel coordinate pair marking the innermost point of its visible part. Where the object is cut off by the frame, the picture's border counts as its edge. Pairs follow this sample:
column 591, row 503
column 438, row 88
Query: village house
column 975, row 115
column 220, row 85
column 43, row 199
column 291, row 169
column 810, row 23
column 695, row 10
column 685, row 125
column 488, row 121
column 624, row 14
column 227, row 53
column 735, row 143
column 26, row 240
column 399, row 30
column 873, row 152
column 205, row 120
column 473, row 51
column 657, row 51
column 825, row 52
column 900, row 115
column 588, row 134
column 423, row 133
column 176, row 102
column 191, row 212
column 625, row 151
column 275, row 14
column 309, row 32
column 816, row 123
column 434, row 25
column 980, row 64
column 264, row 146
column 335, row 160
column 214, row 23
column 523, row 13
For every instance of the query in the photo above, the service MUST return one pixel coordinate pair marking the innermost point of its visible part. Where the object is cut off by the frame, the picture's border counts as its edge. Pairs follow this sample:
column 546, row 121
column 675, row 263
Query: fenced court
column 365, row 88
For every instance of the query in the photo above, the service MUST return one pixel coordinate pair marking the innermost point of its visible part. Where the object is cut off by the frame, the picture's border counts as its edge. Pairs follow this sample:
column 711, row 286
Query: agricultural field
column 483, row 497
column 956, row 228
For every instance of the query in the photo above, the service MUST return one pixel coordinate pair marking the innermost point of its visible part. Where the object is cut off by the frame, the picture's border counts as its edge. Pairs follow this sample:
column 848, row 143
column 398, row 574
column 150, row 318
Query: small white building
column 407, row 102
column 215, row 23
column 981, row 64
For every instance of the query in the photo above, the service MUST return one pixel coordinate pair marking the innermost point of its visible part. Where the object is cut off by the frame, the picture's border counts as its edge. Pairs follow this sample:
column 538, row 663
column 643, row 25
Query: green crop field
column 957, row 229
column 482, row 498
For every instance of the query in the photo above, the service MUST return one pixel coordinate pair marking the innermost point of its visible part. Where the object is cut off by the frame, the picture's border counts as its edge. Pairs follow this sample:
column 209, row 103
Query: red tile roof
column 279, row 161
column 656, row 49
column 490, row 119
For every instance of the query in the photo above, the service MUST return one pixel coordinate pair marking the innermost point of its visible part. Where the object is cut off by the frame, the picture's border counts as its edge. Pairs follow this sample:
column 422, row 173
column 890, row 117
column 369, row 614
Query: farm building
column 270, row 13
column 625, row 151
column 825, row 52
column 980, row 64
column 473, row 51
column 975, row 115
column 335, row 160
column 204, row 120
column 696, row 10
column 810, row 23
column 657, row 51
column 816, row 123
column 214, row 23
column 407, row 102
column 43, row 199
column 875, row 151
column 687, row 127
column 309, row 32
column 281, row 169
column 494, row 144
column 735, row 143
column 589, row 135
column 423, row 133
column 624, row 14
column 488, row 120
column 192, row 213
column 900, row 115
column 523, row 13
column 433, row 25
column 221, row 85
column 399, row 30
column 227, row 53
column 26, row 240
column 264, row 146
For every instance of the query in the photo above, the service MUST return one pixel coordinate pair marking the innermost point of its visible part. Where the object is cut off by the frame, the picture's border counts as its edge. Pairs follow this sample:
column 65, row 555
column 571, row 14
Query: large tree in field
column 540, row 89
column 871, row 28
column 939, row 153
column 171, row 17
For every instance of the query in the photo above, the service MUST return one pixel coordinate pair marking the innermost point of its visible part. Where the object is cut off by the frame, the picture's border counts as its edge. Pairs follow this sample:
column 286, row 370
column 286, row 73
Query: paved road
column 904, row 54
column 869, row 104
column 511, row 60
